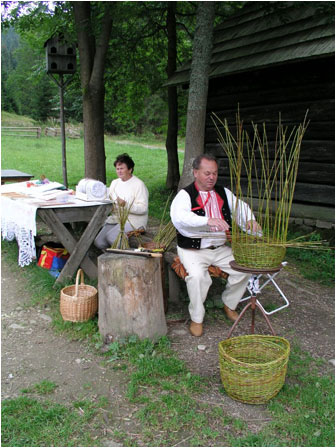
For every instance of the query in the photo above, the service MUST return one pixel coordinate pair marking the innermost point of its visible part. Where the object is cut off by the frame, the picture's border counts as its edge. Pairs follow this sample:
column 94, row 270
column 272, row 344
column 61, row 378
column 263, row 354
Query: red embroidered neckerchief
column 202, row 205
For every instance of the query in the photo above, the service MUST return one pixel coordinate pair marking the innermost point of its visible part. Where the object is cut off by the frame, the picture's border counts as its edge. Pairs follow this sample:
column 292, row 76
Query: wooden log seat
column 130, row 296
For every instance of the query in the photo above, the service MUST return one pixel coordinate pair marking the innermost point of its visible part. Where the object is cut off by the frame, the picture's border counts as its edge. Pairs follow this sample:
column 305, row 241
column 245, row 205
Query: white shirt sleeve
column 132, row 191
column 140, row 202
column 112, row 193
column 184, row 220
column 240, row 211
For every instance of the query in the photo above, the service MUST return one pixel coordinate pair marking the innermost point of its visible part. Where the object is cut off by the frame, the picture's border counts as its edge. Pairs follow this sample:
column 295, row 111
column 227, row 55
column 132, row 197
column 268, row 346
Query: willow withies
column 264, row 176
column 122, row 213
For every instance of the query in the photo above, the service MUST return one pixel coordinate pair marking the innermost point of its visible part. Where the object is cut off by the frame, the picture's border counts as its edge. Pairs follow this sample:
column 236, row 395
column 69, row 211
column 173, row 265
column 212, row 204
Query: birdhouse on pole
column 61, row 60
column 60, row 56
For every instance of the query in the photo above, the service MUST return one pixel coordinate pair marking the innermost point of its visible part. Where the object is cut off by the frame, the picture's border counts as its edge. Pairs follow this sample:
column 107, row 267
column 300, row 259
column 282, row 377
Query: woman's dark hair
column 197, row 162
column 125, row 158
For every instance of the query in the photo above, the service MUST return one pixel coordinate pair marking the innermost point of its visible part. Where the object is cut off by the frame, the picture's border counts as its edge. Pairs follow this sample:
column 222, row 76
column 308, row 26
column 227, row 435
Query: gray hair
column 197, row 162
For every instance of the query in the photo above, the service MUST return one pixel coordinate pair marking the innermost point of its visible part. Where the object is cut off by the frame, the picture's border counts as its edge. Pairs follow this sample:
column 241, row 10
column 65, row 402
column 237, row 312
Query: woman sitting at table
column 124, row 191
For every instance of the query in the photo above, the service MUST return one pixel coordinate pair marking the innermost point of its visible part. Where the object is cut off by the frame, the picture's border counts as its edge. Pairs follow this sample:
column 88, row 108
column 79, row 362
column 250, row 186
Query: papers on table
column 33, row 191
column 31, row 187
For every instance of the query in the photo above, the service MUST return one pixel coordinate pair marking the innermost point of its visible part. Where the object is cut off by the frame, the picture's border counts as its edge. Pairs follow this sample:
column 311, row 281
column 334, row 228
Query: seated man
column 127, row 189
column 204, row 206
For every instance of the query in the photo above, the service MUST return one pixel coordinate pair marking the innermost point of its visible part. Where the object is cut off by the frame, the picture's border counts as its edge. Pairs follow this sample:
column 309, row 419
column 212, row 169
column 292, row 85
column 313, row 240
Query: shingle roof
column 259, row 36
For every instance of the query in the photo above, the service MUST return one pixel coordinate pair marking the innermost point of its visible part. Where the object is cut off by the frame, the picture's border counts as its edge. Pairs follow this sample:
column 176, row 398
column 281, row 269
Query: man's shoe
column 231, row 314
column 196, row 329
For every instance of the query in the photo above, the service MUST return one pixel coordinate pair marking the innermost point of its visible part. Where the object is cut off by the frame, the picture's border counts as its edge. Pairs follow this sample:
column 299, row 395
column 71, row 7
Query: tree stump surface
column 130, row 297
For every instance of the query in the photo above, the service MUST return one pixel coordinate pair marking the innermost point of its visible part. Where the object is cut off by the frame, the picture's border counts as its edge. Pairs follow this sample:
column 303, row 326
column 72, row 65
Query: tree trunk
column 92, row 53
column 93, row 119
column 173, row 172
column 130, row 297
column 198, row 88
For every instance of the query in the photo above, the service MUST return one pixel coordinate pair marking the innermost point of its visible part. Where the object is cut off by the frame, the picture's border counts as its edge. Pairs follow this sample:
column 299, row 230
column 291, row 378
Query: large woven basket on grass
column 79, row 302
column 255, row 252
column 253, row 367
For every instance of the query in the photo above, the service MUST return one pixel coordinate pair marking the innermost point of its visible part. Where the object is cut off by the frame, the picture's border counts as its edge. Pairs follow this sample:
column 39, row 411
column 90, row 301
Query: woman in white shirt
column 125, row 190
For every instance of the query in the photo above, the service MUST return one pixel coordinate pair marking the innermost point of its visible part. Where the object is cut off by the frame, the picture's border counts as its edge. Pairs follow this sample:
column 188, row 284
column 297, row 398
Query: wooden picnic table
column 57, row 217
column 14, row 176
column 21, row 206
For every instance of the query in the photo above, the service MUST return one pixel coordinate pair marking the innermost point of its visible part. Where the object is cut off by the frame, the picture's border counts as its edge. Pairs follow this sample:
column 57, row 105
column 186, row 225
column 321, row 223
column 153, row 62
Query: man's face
column 123, row 172
column 206, row 175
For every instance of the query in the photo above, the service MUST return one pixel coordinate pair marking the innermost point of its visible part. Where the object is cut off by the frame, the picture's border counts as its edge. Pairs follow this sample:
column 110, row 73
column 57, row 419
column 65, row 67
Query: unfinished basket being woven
column 253, row 367
column 255, row 252
column 79, row 303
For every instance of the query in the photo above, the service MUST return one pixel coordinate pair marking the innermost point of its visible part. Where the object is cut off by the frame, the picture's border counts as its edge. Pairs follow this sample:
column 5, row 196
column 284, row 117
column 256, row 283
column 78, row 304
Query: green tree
column 25, row 87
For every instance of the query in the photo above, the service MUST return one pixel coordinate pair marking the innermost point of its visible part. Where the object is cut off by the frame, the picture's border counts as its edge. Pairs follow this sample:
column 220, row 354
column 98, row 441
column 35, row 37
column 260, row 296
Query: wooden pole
column 61, row 90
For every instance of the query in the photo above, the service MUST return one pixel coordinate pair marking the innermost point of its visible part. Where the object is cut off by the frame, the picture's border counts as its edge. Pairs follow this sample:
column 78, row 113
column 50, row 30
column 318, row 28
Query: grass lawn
column 44, row 156
column 165, row 392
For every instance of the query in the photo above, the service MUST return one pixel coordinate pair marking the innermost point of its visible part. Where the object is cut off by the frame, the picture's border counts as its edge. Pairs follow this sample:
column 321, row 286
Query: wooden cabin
column 271, row 58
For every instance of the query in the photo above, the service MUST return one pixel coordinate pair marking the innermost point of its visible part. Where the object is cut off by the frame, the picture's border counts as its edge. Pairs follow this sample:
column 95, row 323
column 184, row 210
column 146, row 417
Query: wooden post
column 130, row 296
column 64, row 168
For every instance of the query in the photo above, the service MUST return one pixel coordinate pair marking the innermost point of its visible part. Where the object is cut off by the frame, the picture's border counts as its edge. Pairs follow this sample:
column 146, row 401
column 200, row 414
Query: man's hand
column 121, row 202
column 253, row 226
column 218, row 224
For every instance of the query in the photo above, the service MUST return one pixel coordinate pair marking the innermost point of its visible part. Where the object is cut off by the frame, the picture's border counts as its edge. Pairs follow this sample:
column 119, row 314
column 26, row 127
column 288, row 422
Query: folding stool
column 270, row 279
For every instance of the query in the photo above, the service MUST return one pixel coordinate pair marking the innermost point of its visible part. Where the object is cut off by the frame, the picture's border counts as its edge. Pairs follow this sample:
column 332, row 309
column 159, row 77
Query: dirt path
column 32, row 352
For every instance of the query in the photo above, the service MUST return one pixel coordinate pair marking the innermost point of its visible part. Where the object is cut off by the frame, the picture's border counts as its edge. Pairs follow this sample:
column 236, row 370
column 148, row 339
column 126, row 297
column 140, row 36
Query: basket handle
column 81, row 273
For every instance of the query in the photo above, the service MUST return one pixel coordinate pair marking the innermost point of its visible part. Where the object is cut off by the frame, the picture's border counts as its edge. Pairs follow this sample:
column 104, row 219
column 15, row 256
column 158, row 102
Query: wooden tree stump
column 130, row 296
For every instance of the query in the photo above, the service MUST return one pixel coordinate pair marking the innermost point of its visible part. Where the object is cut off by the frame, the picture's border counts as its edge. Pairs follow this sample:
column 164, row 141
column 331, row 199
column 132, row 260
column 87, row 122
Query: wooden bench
column 21, row 131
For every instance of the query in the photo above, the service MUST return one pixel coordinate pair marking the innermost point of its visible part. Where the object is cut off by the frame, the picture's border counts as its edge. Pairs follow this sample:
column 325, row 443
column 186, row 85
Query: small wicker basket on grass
column 253, row 367
column 79, row 302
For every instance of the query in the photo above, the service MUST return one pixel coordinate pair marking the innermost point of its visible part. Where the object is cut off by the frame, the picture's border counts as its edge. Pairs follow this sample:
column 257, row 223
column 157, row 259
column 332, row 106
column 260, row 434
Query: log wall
column 291, row 90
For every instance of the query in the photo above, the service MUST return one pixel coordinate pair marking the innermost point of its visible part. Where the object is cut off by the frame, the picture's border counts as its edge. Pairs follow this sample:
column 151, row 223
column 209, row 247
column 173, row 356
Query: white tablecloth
column 18, row 214
column 18, row 220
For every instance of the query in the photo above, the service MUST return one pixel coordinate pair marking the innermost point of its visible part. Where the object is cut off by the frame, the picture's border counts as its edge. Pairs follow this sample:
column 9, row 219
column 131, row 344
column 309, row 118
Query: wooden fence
column 21, row 131
column 56, row 132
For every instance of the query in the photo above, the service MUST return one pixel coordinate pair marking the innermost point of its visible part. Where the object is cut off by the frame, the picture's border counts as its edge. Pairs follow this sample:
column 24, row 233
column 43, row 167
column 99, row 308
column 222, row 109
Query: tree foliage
column 135, row 65
column 135, row 99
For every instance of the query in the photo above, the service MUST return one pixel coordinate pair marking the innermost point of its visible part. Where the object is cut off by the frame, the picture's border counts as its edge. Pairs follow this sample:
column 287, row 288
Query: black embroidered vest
column 197, row 207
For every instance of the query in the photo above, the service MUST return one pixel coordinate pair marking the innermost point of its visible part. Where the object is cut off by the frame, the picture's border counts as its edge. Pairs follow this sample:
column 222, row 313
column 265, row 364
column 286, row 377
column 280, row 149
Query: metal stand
column 270, row 279
column 253, row 288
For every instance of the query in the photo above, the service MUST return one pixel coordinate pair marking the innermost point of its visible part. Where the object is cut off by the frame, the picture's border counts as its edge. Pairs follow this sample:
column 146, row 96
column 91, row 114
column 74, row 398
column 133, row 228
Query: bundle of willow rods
column 167, row 232
column 165, row 235
column 269, row 177
column 122, row 212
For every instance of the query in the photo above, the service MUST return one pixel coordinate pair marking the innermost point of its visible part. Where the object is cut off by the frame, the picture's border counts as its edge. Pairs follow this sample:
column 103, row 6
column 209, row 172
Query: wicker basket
column 79, row 302
column 253, row 367
column 255, row 252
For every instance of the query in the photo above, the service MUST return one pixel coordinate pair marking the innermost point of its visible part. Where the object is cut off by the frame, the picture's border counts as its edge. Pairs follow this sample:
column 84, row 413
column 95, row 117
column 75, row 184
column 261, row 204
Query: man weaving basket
column 202, row 214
